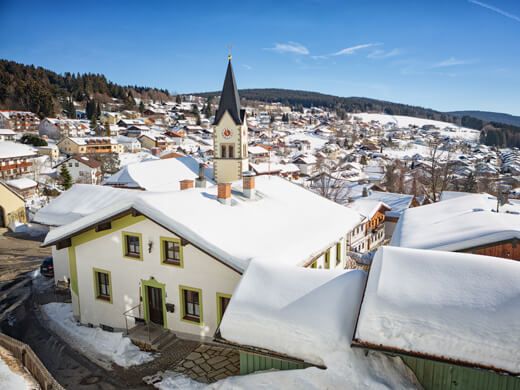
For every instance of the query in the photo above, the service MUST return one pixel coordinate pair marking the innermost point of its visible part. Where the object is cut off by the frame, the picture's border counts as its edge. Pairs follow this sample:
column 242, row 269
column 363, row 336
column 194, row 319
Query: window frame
column 220, row 314
column 326, row 261
column 164, row 260
column 127, row 255
column 97, row 291
column 338, row 253
column 183, row 315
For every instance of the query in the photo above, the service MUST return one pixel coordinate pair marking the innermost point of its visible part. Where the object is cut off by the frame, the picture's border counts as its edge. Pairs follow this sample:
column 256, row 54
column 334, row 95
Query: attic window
column 104, row 226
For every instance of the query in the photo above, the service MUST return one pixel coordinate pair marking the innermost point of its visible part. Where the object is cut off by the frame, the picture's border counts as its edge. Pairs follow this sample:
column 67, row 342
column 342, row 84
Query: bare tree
column 440, row 174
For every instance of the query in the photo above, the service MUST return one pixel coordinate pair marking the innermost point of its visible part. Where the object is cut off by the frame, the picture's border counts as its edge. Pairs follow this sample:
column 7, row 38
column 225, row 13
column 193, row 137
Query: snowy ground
column 404, row 121
column 102, row 347
column 12, row 374
column 316, row 141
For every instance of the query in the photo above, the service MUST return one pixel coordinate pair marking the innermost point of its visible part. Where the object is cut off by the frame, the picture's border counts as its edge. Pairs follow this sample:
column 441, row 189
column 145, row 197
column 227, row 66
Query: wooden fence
column 30, row 360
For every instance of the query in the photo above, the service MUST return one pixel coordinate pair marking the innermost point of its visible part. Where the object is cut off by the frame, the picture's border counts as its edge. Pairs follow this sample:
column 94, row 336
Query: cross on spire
column 229, row 51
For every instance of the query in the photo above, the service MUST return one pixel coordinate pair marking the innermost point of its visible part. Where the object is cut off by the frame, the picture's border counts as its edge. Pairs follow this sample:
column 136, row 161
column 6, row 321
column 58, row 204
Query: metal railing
column 137, row 318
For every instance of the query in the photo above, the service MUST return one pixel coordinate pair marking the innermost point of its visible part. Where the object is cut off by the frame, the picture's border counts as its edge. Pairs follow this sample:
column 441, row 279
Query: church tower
column 230, row 133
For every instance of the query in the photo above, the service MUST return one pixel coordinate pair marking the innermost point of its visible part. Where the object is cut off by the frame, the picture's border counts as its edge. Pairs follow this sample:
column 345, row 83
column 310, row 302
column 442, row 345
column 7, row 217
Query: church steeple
column 229, row 99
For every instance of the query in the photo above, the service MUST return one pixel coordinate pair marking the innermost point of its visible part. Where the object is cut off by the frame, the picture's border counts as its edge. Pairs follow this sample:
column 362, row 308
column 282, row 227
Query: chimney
column 224, row 193
column 248, row 184
column 186, row 184
column 200, row 182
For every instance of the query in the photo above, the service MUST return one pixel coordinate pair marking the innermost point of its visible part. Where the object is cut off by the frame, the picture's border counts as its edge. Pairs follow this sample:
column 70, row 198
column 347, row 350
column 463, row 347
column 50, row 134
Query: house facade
column 12, row 206
column 83, row 169
column 19, row 121
column 76, row 145
column 16, row 160
column 60, row 128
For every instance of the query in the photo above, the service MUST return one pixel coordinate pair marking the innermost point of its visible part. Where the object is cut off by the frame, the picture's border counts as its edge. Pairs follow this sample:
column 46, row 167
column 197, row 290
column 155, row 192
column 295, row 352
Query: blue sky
column 443, row 54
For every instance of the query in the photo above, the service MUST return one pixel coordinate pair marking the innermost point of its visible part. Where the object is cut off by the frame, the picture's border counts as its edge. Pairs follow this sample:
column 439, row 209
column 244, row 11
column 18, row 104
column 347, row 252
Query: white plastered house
column 175, row 258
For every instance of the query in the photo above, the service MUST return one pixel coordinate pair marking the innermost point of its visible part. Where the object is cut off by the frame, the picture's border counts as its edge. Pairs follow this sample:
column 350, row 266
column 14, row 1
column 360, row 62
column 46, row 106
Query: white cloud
column 290, row 47
column 495, row 9
column 452, row 61
column 353, row 49
column 377, row 54
column 248, row 67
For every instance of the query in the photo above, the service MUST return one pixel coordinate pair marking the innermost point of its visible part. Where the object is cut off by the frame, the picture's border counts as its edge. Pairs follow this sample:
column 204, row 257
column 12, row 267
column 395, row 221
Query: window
column 223, row 151
column 171, row 251
column 102, row 285
column 76, row 165
column 222, row 304
column 227, row 151
column 338, row 253
column 132, row 247
column 231, row 151
column 327, row 259
column 191, row 304
column 70, row 165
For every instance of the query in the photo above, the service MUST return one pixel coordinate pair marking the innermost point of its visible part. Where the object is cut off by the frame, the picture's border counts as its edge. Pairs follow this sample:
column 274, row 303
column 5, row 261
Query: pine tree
column 178, row 99
column 470, row 184
column 141, row 107
column 66, row 179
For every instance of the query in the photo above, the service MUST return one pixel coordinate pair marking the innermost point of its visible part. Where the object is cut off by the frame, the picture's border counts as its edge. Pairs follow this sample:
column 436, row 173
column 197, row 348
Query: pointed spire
column 229, row 99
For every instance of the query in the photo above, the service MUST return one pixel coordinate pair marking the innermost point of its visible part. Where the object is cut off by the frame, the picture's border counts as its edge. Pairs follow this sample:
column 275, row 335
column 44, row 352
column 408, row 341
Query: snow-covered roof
column 22, row 183
column 158, row 175
column 278, row 226
column 256, row 150
column 79, row 201
column 367, row 207
column 455, row 306
column 456, row 224
column 14, row 150
column 86, row 140
column 7, row 132
column 278, row 319
column 397, row 202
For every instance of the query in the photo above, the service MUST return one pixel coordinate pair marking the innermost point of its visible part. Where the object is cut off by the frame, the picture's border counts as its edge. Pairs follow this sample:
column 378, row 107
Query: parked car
column 47, row 267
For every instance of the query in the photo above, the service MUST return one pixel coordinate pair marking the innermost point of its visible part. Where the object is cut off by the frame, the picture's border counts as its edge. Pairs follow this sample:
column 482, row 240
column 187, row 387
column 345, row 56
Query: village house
column 468, row 223
column 456, row 320
column 19, row 121
column 83, row 169
column 50, row 150
column 7, row 135
column 60, row 128
column 130, row 144
column 24, row 187
column 370, row 233
column 75, row 145
column 180, row 258
column 12, row 206
column 16, row 160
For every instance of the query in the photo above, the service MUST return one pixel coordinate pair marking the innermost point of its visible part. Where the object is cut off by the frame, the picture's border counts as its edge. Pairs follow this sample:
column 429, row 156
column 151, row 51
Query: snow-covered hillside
column 406, row 121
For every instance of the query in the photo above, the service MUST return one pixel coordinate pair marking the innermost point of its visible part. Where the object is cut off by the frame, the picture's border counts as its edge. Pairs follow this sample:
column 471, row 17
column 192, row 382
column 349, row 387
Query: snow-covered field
column 317, row 142
column 102, row 347
column 12, row 374
column 404, row 121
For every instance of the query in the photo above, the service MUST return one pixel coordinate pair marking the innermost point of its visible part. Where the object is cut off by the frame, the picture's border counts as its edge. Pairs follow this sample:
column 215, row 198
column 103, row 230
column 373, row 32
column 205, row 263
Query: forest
column 46, row 93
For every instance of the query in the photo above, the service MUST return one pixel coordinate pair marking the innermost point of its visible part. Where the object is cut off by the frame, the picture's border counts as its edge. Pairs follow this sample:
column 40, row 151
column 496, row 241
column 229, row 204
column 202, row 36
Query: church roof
column 229, row 98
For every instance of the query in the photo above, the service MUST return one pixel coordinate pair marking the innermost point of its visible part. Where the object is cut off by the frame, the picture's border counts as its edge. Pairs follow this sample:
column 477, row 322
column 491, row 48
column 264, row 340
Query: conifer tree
column 66, row 179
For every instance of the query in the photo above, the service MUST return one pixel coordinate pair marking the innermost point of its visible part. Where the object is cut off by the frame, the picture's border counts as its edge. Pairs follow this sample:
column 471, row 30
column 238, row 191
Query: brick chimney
column 248, row 184
column 200, row 182
column 224, row 193
column 186, row 184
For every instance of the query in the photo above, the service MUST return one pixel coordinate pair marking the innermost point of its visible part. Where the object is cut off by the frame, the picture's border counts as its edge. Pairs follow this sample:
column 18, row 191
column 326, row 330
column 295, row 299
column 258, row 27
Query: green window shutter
column 338, row 253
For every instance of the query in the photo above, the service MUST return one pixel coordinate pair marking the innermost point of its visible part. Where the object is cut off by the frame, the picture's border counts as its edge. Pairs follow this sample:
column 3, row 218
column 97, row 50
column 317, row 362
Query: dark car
column 47, row 267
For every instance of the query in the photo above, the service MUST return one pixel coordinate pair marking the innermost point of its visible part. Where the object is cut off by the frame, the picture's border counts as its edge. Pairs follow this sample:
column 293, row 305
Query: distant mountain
column 300, row 99
column 489, row 116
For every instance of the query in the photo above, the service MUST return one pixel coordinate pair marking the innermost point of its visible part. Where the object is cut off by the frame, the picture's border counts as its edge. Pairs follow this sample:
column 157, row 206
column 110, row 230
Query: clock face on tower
column 227, row 133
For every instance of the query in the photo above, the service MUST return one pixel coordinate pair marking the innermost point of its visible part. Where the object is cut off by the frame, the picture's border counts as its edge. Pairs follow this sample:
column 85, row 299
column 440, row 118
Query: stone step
column 166, row 342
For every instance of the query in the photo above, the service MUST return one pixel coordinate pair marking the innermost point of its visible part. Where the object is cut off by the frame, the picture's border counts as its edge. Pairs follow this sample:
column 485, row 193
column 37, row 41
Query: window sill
column 173, row 263
column 132, row 256
column 103, row 298
column 193, row 320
